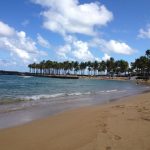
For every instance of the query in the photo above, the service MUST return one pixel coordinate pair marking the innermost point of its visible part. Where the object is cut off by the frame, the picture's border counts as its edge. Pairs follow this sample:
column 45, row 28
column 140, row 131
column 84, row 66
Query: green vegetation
column 141, row 67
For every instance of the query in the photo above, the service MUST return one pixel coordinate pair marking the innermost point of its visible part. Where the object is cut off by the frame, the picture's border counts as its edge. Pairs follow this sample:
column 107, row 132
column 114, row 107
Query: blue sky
column 33, row 30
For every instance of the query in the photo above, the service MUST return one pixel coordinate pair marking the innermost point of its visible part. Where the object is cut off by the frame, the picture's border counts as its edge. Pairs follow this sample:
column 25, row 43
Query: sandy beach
column 120, row 125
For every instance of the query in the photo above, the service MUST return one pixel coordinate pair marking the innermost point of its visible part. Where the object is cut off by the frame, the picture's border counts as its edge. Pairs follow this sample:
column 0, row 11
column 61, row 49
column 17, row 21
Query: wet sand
column 121, row 125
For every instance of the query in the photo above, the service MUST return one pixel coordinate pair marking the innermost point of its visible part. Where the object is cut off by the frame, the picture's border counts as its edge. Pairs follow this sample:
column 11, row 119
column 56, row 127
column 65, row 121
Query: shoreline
column 121, row 124
column 98, row 77
column 19, row 116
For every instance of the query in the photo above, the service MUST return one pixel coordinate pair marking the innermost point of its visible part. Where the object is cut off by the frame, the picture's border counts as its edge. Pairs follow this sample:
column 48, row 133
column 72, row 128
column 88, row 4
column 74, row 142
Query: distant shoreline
column 37, row 75
column 98, row 77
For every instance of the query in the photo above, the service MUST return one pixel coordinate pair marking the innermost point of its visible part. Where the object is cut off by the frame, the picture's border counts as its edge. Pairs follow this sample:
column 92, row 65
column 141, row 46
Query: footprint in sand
column 117, row 137
column 131, row 119
column 104, row 131
column 120, row 106
column 108, row 148
column 101, row 124
column 104, row 124
column 144, row 108
column 139, row 110
column 146, row 118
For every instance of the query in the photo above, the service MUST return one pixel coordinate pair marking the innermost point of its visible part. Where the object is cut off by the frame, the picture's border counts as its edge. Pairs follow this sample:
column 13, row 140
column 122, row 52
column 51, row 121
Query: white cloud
column 6, row 43
column 144, row 33
column 118, row 47
column 106, row 57
column 81, row 51
column 18, row 44
column 112, row 46
column 70, row 16
column 64, row 50
column 43, row 42
column 5, row 30
column 75, row 49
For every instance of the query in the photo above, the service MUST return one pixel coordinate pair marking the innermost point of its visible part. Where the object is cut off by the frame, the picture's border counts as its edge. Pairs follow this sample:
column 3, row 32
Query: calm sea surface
column 34, row 97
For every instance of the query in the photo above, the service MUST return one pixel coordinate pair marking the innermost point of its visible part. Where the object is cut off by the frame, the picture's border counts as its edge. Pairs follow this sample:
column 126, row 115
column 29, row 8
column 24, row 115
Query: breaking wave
column 52, row 96
column 46, row 96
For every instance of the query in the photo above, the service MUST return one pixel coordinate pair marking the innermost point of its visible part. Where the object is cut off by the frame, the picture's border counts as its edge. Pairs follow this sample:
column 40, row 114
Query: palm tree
column 147, row 53
column 117, row 67
column 66, row 66
column 110, row 66
column 82, row 67
column 34, row 67
column 30, row 67
column 141, row 66
column 76, row 67
column 70, row 67
column 42, row 66
column 144, row 64
column 148, row 56
column 121, row 66
column 95, row 66
column 89, row 65
column 102, row 66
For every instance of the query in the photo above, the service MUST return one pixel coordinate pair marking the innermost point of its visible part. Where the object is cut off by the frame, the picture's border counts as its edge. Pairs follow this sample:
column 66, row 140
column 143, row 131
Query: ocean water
column 35, row 90
column 25, row 98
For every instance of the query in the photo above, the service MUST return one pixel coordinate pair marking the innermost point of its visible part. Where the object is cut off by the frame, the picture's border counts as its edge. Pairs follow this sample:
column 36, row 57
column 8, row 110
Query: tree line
column 112, row 67
column 141, row 65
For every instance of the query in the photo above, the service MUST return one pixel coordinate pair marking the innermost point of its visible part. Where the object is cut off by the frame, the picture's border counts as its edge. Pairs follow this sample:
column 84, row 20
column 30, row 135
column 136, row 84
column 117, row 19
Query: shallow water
column 23, row 99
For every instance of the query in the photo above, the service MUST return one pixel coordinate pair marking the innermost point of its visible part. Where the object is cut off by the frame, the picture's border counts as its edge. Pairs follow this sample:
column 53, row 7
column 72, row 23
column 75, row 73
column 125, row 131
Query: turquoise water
column 14, row 88
column 24, row 99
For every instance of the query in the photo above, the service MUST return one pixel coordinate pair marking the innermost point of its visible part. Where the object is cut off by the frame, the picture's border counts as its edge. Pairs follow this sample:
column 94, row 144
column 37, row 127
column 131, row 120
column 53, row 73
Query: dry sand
column 123, row 125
